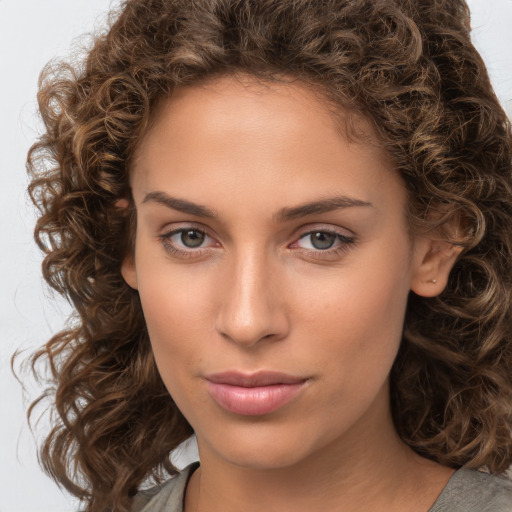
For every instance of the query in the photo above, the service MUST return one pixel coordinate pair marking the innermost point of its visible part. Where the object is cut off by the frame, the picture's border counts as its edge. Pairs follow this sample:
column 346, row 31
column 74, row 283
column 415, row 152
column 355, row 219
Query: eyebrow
column 317, row 207
column 285, row 214
column 181, row 205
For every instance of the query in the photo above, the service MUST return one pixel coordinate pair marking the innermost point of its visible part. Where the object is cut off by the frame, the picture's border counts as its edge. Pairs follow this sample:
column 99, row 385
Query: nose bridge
column 251, row 310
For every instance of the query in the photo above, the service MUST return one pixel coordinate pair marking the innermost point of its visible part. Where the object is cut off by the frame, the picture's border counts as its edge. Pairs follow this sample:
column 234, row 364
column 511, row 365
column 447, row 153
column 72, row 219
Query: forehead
column 242, row 101
column 246, row 137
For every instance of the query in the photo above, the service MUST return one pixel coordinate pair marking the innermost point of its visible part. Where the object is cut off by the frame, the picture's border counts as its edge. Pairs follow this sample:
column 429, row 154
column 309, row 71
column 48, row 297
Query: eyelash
column 184, row 253
column 344, row 243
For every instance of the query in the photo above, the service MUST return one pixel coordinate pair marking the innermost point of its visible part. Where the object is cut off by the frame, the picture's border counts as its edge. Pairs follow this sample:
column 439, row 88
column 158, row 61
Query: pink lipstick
column 253, row 394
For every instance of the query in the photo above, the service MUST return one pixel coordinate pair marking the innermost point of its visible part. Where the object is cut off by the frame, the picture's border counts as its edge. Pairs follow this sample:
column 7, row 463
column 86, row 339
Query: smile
column 253, row 395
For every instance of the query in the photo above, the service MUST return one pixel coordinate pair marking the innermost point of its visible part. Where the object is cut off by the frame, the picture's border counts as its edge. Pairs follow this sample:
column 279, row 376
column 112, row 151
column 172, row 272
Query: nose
column 252, row 303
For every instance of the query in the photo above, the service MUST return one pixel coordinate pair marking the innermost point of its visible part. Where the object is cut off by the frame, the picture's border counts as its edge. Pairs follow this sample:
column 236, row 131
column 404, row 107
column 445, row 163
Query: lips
column 253, row 394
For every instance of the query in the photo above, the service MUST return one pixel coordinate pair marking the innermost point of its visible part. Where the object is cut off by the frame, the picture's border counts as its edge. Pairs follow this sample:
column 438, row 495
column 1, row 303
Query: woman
column 285, row 227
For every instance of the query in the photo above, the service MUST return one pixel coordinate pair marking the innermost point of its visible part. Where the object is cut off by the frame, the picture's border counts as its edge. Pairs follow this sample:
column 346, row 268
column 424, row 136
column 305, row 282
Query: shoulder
column 167, row 496
column 470, row 490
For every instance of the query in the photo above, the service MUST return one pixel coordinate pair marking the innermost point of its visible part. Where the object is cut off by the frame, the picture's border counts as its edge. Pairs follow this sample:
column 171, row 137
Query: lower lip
column 253, row 401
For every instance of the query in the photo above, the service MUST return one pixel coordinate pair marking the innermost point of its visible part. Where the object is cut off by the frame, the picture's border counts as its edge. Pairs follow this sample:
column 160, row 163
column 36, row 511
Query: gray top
column 467, row 490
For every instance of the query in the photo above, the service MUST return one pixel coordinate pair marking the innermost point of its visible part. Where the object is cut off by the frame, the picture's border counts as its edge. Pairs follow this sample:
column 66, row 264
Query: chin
column 262, row 448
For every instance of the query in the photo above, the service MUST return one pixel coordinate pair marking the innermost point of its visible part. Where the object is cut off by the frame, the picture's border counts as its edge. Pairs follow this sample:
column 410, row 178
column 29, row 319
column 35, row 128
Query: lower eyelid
column 333, row 253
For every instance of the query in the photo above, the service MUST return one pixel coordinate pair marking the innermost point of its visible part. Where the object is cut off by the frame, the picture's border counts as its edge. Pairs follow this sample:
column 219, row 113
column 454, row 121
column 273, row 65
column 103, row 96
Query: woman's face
column 273, row 263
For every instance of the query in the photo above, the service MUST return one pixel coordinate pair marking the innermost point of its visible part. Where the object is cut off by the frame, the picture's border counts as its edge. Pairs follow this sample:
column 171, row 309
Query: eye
column 320, row 240
column 187, row 241
column 328, row 242
column 191, row 238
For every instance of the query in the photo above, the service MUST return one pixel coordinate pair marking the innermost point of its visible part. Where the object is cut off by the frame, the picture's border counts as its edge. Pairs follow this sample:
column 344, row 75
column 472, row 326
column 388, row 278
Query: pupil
column 192, row 238
column 321, row 240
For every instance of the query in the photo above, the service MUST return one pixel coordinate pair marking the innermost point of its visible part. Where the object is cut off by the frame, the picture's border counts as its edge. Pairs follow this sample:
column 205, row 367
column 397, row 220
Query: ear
column 433, row 261
column 128, row 270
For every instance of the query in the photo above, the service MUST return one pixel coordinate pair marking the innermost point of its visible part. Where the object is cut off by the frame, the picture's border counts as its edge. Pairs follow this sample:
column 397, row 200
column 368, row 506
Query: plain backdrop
column 31, row 33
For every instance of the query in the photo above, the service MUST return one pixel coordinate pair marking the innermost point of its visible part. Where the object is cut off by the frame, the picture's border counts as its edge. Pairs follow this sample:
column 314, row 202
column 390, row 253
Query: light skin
column 293, row 256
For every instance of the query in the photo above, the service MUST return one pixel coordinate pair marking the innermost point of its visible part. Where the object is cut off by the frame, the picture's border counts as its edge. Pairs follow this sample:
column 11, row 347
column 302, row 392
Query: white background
column 31, row 33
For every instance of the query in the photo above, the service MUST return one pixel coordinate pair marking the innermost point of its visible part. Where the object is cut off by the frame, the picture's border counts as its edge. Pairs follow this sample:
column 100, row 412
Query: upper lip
column 250, row 380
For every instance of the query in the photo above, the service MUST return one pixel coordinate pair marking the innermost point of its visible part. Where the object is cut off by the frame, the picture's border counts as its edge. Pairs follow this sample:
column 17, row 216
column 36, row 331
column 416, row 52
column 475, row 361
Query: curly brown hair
column 406, row 65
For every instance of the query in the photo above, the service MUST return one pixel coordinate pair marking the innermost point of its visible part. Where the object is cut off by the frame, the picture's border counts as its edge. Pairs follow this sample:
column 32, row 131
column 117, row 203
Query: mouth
column 253, row 394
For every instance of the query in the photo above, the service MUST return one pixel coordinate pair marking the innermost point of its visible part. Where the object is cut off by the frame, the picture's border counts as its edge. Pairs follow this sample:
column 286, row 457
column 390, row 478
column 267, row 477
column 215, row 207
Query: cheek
column 173, row 296
column 176, row 313
column 368, row 297
column 357, row 319
column 356, row 335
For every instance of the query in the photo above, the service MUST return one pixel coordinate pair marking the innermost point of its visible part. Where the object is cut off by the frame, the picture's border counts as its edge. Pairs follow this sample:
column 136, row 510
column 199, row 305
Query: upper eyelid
column 167, row 230
column 327, row 228
column 344, row 239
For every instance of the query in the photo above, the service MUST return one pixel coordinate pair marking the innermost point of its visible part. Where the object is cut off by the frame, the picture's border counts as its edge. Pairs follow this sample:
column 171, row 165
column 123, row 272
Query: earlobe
column 434, row 259
column 129, row 272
